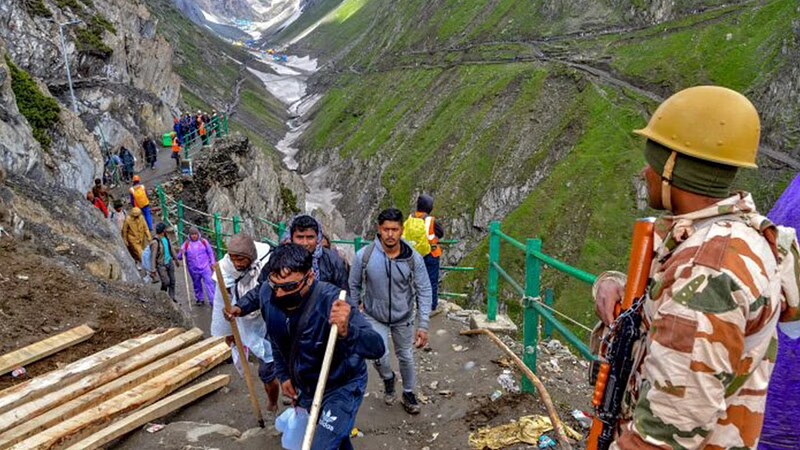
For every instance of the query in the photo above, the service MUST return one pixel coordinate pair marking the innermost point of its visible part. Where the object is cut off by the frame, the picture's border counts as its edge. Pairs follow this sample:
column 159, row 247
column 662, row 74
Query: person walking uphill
column 722, row 278
column 136, row 235
column 299, row 311
column 327, row 264
column 139, row 199
column 241, row 268
column 423, row 232
column 164, row 260
column 389, row 278
column 200, row 261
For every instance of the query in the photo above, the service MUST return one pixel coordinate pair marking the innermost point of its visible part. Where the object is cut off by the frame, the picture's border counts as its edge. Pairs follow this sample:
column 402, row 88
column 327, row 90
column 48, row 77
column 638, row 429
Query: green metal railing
column 173, row 213
column 536, row 309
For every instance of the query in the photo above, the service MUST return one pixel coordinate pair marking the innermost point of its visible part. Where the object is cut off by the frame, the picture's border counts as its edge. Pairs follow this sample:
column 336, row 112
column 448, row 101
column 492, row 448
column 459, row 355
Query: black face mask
column 291, row 301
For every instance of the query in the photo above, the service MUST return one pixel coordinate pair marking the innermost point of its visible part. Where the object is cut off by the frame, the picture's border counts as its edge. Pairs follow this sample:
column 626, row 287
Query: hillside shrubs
column 37, row 8
column 41, row 111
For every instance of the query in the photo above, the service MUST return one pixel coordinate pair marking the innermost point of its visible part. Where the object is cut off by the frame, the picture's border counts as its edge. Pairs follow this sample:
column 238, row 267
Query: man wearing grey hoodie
column 389, row 279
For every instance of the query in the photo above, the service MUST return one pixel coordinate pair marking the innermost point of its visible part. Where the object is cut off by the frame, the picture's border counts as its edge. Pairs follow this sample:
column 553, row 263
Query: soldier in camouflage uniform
column 722, row 278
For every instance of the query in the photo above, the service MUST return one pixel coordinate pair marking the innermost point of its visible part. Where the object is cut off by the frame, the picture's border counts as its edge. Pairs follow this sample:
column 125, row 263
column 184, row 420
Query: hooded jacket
column 199, row 254
column 362, row 342
column 392, row 291
column 135, row 231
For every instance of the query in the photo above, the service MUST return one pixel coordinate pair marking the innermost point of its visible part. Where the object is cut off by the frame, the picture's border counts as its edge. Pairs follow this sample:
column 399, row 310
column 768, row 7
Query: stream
column 288, row 84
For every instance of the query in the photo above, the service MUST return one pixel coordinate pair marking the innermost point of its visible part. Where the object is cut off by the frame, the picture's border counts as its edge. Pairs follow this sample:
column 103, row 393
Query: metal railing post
column 162, row 198
column 549, row 300
column 218, row 232
column 530, row 337
column 180, row 220
column 358, row 243
column 237, row 224
column 494, row 277
column 281, row 230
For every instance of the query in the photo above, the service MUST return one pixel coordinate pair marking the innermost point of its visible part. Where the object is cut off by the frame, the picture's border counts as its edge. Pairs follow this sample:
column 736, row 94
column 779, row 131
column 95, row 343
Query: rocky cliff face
column 234, row 178
column 125, row 88
column 122, row 72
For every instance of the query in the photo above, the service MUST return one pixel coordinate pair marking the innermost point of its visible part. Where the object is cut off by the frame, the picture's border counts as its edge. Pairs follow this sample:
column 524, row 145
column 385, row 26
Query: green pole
column 494, row 276
column 180, row 220
column 281, row 230
column 530, row 337
column 218, row 232
column 225, row 120
column 359, row 243
column 549, row 300
column 162, row 198
column 237, row 224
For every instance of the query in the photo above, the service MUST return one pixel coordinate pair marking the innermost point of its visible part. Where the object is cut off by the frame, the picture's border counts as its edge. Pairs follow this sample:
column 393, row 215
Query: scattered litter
column 423, row 398
column 554, row 365
column 546, row 442
column 435, row 435
column 23, row 277
column 19, row 372
column 441, row 332
column 155, row 427
column 507, row 381
column 469, row 394
column 446, row 393
column 504, row 362
column 582, row 418
column 496, row 395
column 469, row 365
column 434, row 385
column 459, row 348
column 366, row 394
column 355, row 432
column 526, row 430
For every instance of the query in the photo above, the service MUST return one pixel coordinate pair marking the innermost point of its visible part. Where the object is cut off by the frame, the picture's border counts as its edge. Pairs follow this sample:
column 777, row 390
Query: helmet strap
column 666, row 181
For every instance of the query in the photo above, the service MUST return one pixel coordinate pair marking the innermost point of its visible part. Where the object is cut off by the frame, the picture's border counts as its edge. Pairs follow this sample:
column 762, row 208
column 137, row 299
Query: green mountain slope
column 523, row 111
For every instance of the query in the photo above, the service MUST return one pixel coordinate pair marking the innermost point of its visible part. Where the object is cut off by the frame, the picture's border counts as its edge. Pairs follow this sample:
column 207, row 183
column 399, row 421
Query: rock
column 62, row 248
column 503, row 325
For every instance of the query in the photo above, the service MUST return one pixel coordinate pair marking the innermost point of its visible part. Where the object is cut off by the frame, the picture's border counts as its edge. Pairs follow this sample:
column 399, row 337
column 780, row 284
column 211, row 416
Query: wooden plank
column 51, row 381
column 43, row 348
column 103, row 393
column 152, row 412
column 33, row 408
column 86, row 423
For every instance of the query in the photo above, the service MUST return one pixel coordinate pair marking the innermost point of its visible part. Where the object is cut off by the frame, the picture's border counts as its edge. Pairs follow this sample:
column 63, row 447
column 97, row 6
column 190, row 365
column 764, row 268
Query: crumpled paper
column 526, row 430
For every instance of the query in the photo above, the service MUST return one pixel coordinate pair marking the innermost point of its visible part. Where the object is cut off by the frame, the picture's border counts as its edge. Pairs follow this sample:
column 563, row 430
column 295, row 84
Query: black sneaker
column 388, row 390
column 410, row 403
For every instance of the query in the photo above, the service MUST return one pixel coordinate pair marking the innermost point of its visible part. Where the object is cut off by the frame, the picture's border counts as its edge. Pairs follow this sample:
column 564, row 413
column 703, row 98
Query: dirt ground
column 456, row 379
column 39, row 297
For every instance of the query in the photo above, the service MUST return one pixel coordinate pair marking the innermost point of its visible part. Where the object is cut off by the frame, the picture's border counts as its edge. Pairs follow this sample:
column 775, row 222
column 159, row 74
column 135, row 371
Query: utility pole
column 66, row 61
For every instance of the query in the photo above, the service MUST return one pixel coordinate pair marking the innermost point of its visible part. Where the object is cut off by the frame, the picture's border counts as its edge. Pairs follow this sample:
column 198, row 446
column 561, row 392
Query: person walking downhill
column 241, row 268
column 97, row 203
column 722, row 278
column 150, row 152
column 164, row 260
column 300, row 312
column 118, row 215
column 139, row 199
column 389, row 278
column 200, row 262
column 423, row 232
column 136, row 235
column 176, row 153
column 128, row 163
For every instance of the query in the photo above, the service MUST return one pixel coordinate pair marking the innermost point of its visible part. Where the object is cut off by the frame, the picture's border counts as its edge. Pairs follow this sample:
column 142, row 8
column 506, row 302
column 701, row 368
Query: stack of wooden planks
column 97, row 399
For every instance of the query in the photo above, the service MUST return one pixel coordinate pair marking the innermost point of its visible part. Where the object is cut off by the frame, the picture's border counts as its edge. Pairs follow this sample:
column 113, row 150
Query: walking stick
column 251, row 389
column 186, row 281
column 311, row 427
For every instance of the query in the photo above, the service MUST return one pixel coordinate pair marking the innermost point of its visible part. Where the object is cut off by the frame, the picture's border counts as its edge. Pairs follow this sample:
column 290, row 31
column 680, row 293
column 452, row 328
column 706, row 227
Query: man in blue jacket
column 299, row 311
column 389, row 278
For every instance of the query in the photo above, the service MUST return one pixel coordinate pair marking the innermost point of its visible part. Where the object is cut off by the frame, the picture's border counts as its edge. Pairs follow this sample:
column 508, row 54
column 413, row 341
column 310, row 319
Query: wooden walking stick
column 186, row 281
column 311, row 427
column 548, row 403
column 251, row 389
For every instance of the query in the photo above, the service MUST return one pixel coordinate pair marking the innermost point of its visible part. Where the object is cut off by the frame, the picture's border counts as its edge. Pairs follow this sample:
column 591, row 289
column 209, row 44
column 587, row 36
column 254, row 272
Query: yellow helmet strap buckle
column 666, row 181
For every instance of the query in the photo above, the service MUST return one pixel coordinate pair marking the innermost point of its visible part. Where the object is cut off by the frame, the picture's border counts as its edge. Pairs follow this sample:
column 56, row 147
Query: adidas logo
column 326, row 420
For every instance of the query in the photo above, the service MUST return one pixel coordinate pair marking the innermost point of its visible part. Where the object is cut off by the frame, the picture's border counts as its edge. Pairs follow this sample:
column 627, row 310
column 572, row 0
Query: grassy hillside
column 485, row 105
column 210, row 70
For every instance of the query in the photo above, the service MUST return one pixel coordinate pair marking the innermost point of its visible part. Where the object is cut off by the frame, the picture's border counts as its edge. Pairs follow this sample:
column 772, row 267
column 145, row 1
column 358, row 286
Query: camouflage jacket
column 722, row 278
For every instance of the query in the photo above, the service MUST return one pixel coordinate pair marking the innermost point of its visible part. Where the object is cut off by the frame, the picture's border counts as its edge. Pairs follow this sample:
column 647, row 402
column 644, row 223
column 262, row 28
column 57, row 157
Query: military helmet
column 711, row 123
